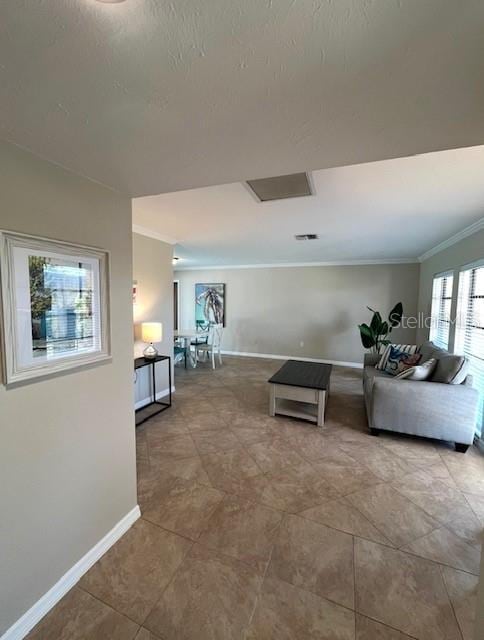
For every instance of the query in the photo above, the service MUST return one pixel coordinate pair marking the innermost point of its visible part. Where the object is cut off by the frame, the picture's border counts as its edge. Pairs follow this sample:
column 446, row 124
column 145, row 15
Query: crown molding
column 288, row 265
column 465, row 233
column 144, row 231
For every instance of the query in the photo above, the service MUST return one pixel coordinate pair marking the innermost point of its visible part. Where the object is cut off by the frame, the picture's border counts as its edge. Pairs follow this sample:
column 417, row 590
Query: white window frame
column 435, row 318
column 476, row 369
column 16, row 312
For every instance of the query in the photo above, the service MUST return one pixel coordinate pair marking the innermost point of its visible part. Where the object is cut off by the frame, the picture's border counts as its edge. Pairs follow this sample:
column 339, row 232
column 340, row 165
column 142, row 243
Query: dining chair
column 212, row 346
column 201, row 327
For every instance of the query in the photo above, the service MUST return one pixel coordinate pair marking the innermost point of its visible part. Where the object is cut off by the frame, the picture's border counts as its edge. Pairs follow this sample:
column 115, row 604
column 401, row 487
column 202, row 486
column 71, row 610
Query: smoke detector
column 307, row 236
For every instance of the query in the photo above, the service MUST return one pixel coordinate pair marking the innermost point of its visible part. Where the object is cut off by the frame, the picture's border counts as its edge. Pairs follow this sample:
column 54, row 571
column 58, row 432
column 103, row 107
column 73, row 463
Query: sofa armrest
column 431, row 409
column 370, row 359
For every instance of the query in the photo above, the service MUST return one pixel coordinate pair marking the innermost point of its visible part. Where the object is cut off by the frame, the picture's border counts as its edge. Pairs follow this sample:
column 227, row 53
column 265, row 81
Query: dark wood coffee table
column 300, row 390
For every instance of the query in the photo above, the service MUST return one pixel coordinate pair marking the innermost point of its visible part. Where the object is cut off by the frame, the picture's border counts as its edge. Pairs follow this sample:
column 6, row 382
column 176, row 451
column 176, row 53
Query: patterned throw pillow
column 408, row 349
column 397, row 361
column 419, row 373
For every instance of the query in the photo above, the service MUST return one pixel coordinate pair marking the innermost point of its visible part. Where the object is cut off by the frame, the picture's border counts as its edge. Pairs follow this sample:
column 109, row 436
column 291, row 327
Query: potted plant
column 375, row 335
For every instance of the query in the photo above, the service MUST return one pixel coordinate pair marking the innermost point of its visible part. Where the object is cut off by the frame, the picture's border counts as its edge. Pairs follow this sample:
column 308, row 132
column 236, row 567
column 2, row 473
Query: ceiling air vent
column 307, row 236
column 293, row 185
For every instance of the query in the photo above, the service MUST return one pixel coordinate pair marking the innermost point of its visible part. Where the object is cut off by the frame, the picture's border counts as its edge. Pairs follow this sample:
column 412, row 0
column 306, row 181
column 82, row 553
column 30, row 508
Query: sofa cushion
column 420, row 372
column 451, row 370
column 403, row 348
column 430, row 350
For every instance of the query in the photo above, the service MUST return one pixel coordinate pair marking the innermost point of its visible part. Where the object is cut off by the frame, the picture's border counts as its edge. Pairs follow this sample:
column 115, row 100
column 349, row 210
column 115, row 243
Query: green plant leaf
column 367, row 336
column 395, row 316
column 376, row 323
column 384, row 329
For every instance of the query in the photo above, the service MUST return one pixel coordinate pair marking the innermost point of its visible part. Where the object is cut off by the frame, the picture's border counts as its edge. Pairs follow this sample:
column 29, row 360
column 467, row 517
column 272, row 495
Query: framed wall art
column 210, row 304
column 55, row 306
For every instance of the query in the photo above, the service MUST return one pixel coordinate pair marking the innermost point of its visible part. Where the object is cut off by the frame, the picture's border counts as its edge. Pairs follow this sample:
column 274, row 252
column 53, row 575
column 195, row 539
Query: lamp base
column 150, row 351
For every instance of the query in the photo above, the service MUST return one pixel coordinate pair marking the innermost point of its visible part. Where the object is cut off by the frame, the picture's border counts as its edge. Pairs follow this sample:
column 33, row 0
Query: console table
column 139, row 363
column 299, row 389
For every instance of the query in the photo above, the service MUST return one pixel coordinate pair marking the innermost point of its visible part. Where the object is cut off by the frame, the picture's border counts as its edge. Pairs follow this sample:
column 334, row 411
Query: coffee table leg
column 272, row 401
column 321, row 407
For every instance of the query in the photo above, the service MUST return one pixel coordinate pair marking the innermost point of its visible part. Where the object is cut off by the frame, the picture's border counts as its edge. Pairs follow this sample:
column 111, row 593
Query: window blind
column 469, row 335
column 441, row 308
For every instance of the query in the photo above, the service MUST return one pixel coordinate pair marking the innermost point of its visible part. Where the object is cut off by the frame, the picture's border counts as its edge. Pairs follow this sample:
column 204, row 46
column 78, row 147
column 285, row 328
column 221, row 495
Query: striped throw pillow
column 410, row 349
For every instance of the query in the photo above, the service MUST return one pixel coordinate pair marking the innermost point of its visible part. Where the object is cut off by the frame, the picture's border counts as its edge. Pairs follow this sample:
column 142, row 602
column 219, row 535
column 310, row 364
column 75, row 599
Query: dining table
column 187, row 335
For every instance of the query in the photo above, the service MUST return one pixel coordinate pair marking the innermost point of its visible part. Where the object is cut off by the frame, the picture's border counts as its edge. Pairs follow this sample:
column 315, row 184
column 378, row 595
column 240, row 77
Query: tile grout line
column 442, row 577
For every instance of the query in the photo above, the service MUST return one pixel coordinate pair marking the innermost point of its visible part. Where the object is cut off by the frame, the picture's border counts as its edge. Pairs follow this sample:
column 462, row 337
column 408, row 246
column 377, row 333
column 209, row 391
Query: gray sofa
column 430, row 409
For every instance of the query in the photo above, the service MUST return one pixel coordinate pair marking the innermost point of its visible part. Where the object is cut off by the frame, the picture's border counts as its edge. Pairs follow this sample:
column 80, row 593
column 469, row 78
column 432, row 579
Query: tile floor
column 257, row 528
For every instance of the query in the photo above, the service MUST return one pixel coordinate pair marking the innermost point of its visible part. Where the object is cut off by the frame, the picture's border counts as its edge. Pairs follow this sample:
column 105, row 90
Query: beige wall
column 464, row 252
column 273, row 310
column 153, row 270
column 67, row 456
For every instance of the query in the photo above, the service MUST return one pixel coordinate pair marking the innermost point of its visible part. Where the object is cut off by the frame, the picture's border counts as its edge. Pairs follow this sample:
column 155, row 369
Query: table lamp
column 151, row 332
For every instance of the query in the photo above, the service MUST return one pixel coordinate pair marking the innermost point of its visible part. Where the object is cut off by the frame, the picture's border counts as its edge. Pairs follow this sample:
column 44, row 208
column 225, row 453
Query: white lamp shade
column 151, row 331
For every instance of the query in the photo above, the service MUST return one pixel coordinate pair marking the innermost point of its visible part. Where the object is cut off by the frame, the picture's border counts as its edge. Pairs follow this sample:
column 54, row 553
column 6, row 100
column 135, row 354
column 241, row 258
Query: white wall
column 67, row 446
column 274, row 310
column 153, row 271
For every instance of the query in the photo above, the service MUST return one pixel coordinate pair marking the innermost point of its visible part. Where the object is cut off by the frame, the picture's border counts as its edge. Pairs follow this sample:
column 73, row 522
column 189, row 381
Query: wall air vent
column 307, row 236
column 293, row 185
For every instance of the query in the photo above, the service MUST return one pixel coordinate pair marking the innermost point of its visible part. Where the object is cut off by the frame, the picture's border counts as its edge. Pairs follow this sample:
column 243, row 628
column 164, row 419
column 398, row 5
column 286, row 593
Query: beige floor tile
column 476, row 503
column 436, row 498
column 288, row 490
column 196, row 405
column 243, row 530
column 164, row 426
column 187, row 468
column 250, row 435
column 206, row 422
column 399, row 519
column 440, row 472
column 274, row 455
column 341, row 515
column 312, row 445
column 316, row 558
column 171, row 447
column 462, row 589
column 404, row 592
column 467, row 526
column 345, row 477
column 145, row 634
column 445, row 547
column 212, row 597
column 131, row 576
column 182, row 506
column 367, row 629
column 227, row 470
column 467, row 470
column 80, row 616
column 418, row 452
column 286, row 612
column 386, row 465
column 214, row 440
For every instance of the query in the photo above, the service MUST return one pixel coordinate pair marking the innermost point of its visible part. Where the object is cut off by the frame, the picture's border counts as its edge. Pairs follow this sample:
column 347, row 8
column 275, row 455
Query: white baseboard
column 273, row 356
column 28, row 621
column 142, row 403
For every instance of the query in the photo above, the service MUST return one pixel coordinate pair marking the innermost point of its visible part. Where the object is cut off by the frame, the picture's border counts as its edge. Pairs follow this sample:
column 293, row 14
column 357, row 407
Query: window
column 441, row 308
column 469, row 336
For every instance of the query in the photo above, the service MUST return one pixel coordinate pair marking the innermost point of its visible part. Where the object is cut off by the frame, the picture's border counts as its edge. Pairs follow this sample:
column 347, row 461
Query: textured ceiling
column 151, row 96
column 385, row 210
